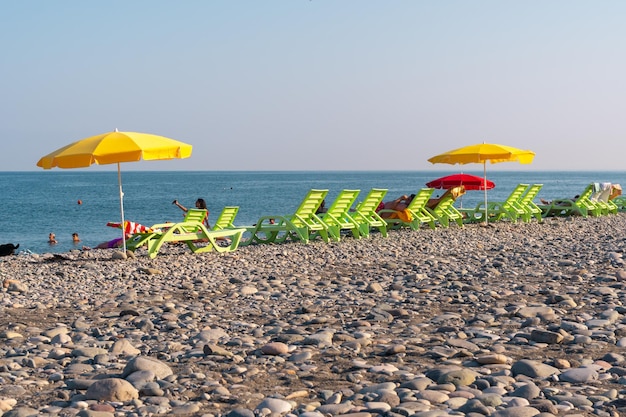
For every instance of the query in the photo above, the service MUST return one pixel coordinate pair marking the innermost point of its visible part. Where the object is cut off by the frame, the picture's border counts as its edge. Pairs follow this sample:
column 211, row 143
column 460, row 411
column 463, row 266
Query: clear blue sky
column 318, row 85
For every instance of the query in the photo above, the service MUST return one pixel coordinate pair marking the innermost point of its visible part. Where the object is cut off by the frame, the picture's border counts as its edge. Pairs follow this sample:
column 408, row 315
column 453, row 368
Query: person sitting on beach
column 52, row 239
column 200, row 204
column 399, row 204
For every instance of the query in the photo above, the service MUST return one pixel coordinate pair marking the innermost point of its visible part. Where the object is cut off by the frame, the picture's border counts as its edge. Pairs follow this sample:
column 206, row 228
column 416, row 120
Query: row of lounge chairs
column 345, row 217
column 593, row 201
column 519, row 205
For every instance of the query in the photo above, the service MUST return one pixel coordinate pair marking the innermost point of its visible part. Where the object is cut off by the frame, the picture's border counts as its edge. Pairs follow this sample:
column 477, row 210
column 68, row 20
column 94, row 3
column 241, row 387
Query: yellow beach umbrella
column 480, row 154
column 115, row 148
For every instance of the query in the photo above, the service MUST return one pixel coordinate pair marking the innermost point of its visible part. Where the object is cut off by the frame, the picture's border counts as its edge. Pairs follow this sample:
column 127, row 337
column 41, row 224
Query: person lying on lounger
column 455, row 191
column 399, row 204
column 562, row 202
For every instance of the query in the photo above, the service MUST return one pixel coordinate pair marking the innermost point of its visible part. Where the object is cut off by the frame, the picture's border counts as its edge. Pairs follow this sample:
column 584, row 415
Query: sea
column 37, row 203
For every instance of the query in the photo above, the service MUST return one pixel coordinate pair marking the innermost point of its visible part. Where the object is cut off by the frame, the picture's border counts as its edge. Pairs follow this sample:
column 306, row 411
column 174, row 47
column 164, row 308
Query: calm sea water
column 37, row 203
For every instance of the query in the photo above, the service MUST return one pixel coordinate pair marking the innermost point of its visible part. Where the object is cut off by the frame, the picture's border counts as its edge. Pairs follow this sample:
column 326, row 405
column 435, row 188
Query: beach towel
column 130, row 228
column 616, row 191
column 403, row 215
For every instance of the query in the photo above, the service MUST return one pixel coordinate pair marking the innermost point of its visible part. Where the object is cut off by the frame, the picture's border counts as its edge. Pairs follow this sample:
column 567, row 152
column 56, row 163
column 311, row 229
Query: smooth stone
column 94, row 413
column 321, row 339
column 492, row 359
column 384, row 386
column 579, row 375
column 275, row 405
column 576, row 400
column 516, row 412
column 124, row 347
column 140, row 378
column 544, row 336
column 334, row 409
column 240, row 412
column 527, row 312
column 386, row 368
column 418, row 384
column 455, row 403
column 458, row 377
column 434, row 397
column 533, row 369
column 491, row 400
column 275, row 348
column 22, row 412
column 211, row 335
column 185, row 409
column 516, row 402
column 378, row 407
column 143, row 363
column 112, row 389
column 89, row 352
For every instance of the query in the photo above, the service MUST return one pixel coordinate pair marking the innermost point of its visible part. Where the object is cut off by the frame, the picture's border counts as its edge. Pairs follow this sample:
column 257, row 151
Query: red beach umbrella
column 470, row 182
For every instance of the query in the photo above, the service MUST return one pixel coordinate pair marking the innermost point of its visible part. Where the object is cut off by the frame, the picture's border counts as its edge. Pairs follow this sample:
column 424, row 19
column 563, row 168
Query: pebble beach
column 500, row 320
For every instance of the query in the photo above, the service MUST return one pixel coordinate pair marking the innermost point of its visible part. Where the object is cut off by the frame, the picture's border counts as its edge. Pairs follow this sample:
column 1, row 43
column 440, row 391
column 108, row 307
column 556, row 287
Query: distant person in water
column 52, row 239
column 200, row 204
column 75, row 237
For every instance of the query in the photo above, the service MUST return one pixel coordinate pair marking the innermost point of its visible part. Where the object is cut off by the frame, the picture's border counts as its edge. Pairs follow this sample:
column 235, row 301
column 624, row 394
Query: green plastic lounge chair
column 338, row 218
column 581, row 205
column 415, row 213
column 139, row 239
column 365, row 213
column 499, row 210
column 601, row 198
column 445, row 211
column 620, row 203
column 226, row 218
column 526, row 202
column 297, row 226
column 191, row 231
column 602, row 208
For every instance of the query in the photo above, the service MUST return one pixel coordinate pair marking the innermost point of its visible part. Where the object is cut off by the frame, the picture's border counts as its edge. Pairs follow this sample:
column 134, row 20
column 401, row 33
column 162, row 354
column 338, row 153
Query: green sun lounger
column 601, row 198
column 226, row 218
column 527, row 203
column 620, row 203
column 581, row 205
column 191, row 231
column 338, row 218
column 414, row 215
column 445, row 211
column 139, row 239
column 365, row 213
column 297, row 226
column 500, row 210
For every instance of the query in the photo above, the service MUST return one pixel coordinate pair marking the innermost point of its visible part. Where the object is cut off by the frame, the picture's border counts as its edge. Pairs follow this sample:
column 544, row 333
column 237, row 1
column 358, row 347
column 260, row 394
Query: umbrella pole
column 119, row 181
column 485, row 187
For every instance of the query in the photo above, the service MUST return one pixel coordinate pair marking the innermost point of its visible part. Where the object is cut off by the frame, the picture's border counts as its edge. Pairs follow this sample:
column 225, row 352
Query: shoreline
column 458, row 320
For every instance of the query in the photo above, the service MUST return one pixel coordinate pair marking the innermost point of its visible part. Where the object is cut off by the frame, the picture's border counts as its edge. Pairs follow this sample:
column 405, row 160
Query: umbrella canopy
column 115, row 148
column 470, row 182
column 481, row 153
